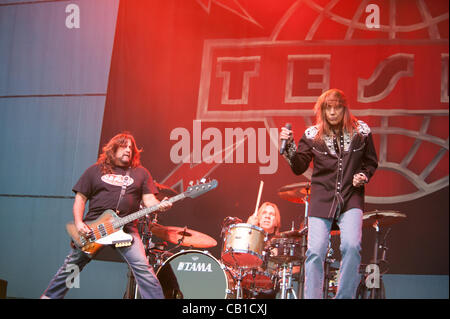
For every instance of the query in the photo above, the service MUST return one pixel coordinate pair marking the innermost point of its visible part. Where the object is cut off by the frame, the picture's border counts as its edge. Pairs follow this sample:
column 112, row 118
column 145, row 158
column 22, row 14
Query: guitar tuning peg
column 191, row 183
column 203, row 180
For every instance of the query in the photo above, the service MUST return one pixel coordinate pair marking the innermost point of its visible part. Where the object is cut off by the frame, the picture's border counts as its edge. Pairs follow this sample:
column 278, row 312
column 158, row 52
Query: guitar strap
column 123, row 190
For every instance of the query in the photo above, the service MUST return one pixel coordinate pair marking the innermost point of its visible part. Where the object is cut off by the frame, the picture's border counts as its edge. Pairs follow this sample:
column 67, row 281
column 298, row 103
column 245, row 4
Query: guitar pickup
column 122, row 243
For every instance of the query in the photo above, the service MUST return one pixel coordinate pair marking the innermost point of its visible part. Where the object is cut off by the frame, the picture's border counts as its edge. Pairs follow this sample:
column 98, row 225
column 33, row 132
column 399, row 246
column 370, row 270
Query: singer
column 344, row 159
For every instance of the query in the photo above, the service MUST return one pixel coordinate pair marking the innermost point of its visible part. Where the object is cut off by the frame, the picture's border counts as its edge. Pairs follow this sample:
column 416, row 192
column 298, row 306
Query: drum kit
column 252, row 264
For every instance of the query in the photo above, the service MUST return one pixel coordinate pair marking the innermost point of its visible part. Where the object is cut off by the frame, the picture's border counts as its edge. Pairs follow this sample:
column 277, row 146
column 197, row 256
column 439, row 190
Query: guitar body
column 103, row 233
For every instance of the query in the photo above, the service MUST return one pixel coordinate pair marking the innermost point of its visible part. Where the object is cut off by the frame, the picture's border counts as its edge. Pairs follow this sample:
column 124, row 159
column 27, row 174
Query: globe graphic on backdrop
column 365, row 24
column 404, row 20
column 347, row 20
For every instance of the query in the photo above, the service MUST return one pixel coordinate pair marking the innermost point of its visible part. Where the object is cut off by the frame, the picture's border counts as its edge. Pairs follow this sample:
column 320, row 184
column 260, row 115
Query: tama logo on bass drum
column 192, row 266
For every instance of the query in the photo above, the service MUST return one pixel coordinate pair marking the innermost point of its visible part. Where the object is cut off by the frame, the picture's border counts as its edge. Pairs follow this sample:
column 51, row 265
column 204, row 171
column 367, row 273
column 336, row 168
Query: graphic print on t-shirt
column 117, row 180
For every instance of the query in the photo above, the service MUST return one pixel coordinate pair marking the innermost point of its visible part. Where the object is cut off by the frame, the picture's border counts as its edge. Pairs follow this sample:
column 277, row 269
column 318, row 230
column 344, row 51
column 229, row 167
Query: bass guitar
column 108, row 228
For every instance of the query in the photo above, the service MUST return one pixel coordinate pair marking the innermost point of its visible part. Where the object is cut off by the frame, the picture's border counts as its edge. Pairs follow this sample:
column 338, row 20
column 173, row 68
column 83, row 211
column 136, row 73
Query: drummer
column 268, row 218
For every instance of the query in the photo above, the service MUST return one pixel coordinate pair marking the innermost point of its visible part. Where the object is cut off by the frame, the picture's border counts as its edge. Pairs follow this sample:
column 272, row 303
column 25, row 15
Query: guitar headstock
column 200, row 188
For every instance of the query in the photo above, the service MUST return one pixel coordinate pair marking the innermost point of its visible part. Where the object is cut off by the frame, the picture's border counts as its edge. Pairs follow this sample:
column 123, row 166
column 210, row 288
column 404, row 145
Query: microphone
column 283, row 142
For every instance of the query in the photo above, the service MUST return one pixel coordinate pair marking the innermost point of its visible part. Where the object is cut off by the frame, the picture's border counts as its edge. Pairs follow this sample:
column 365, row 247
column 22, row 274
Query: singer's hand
column 286, row 134
column 359, row 180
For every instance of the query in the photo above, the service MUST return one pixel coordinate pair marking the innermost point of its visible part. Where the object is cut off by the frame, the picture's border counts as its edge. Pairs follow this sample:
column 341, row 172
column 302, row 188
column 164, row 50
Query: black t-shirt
column 103, row 190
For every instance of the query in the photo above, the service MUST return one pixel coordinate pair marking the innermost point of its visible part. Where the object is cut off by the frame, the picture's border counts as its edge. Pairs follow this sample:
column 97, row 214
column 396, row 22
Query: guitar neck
column 128, row 219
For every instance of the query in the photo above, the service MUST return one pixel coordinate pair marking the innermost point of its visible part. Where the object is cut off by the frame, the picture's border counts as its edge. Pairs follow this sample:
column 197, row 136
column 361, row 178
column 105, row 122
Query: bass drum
column 195, row 274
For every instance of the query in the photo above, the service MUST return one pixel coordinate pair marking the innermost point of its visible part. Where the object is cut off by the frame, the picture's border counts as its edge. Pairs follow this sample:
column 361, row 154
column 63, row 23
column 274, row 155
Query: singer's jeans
column 134, row 255
column 350, row 225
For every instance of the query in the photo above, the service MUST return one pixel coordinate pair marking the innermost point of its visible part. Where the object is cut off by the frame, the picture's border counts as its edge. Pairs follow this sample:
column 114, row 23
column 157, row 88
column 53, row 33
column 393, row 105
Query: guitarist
column 118, row 182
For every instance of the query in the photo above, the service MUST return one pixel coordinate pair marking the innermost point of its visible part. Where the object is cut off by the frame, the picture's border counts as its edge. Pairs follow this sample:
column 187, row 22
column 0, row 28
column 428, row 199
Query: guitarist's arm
column 151, row 200
column 78, row 212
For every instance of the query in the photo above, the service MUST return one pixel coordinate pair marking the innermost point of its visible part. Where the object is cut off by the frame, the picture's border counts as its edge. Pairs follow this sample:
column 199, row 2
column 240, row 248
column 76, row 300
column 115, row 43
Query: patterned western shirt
column 335, row 161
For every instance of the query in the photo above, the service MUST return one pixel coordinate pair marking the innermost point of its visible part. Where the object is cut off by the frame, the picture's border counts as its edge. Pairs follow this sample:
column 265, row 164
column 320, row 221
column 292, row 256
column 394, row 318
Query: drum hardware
column 299, row 193
column 377, row 219
column 293, row 233
column 328, row 270
column 285, row 250
column 333, row 281
column 227, row 222
column 132, row 291
column 286, row 285
column 239, row 290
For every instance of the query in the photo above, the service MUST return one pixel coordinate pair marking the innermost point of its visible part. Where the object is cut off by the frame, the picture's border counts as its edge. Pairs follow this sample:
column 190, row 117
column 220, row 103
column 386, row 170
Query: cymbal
column 292, row 233
column 384, row 217
column 183, row 236
column 164, row 191
column 295, row 192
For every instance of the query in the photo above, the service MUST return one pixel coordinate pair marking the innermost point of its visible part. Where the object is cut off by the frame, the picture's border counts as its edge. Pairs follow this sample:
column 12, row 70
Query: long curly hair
column 349, row 122
column 107, row 157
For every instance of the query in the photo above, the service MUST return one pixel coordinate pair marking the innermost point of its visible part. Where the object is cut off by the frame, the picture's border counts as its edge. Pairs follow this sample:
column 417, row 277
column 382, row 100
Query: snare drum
column 194, row 274
column 244, row 246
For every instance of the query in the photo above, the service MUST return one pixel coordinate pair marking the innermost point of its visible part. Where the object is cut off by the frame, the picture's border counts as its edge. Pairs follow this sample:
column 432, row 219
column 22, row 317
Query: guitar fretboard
column 128, row 219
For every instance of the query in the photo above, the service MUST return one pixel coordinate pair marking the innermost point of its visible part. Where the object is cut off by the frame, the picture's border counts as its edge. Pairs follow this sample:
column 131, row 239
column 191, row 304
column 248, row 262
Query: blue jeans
column 350, row 225
column 134, row 255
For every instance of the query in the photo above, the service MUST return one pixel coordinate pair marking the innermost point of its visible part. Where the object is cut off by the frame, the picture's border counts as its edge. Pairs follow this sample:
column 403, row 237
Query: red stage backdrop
column 205, row 85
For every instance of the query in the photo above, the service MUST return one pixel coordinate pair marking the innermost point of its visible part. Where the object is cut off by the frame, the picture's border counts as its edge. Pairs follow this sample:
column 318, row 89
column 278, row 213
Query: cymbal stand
column 239, row 292
column 286, row 282
column 146, row 233
column 132, row 288
column 301, row 274
column 378, row 290
column 180, row 241
column 373, row 293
